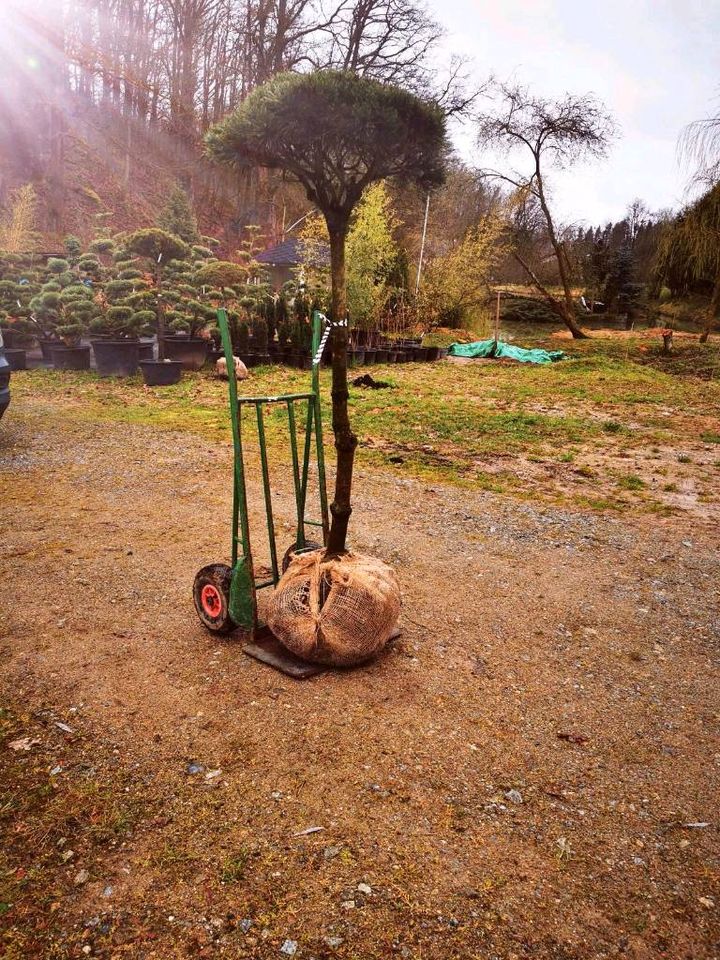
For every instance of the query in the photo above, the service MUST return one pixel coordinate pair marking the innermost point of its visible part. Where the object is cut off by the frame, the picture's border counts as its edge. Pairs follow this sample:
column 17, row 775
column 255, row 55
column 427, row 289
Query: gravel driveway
column 532, row 770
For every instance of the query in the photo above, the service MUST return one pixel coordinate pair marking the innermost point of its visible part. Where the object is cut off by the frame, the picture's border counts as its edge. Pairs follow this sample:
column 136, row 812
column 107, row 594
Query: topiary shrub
column 57, row 265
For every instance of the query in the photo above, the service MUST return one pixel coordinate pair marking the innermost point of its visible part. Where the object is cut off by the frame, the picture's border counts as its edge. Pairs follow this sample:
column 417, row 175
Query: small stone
column 245, row 924
column 707, row 901
column 364, row 888
column 194, row 768
column 67, row 855
column 334, row 942
column 348, row 904
column 87, row 949
column 289, row 948
column 514, row 796
column 81, row 877
column 108, row 891
column 330, row 852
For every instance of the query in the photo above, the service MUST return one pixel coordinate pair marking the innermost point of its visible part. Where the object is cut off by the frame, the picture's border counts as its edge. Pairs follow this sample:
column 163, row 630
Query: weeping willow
column 689, row 251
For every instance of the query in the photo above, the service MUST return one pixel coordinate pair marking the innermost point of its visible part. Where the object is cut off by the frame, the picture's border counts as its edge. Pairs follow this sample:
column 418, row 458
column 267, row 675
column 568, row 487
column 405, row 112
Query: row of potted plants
column 124, row 292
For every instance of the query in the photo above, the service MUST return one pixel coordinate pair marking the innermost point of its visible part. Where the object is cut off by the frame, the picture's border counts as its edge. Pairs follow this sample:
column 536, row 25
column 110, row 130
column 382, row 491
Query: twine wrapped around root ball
column 338, row 612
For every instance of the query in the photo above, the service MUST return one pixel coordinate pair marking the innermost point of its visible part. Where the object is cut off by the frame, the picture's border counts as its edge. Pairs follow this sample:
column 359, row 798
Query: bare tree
column 550, row 134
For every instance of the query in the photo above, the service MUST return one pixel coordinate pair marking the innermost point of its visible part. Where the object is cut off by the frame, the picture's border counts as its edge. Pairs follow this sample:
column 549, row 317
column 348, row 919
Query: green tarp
column 496, row 348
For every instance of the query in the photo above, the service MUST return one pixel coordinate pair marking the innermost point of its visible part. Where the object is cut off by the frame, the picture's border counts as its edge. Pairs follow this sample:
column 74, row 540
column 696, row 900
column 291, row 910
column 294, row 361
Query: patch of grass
column 441, row 421
column 710, row 437
column 612, row 426
column 631, row 482
column 233, row 868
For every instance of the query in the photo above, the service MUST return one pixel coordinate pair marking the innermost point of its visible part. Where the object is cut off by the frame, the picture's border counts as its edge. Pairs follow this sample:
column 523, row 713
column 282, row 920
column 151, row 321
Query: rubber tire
column 217, row 575
column 292, row 549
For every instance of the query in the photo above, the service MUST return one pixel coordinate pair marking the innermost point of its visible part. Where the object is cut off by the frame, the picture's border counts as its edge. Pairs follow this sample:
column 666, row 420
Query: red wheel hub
column 211, row 600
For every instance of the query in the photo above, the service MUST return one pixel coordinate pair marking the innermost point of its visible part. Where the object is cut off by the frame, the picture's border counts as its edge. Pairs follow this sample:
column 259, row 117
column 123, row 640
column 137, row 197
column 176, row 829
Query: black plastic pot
column 356, row 357
column 190, row 351
column 370, row 356
column 381, row 355
column 116, row 358
column 70, row 358
column 46, row 349
column 161, row 373
column 16, row 358
column 443, row 353
column 262, row 359
column 432, row 353
column 11, row 338
column 146, row 349
column 249, row 359
column 213, row 356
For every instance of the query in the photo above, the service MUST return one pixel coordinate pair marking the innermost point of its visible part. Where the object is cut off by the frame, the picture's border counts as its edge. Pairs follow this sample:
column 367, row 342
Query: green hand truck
column 226, row 596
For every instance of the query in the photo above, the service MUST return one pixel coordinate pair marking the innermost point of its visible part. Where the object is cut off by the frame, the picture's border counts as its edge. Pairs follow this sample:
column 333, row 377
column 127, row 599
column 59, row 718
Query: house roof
column 287, row 254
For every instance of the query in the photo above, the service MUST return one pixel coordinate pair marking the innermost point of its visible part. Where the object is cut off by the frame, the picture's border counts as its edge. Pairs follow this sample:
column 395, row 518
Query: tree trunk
column 567, row 312
column 345, row 439
column 160, row 313
column 712, row 312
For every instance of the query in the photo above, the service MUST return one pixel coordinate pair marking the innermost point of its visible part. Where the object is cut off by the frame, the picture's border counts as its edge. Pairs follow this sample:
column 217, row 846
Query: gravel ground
column 531, row 770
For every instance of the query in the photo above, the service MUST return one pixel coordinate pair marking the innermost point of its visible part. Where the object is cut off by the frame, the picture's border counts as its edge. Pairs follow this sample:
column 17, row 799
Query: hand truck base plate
column 266, row 648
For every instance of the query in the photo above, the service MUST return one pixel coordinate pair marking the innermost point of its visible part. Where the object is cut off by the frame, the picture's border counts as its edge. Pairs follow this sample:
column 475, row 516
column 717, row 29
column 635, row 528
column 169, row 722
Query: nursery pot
column 433, row 353
column 381, row 355
column 161, row 373
column 249, row 359
column 116, row 358
column 190, row 351
column 262, row 359
column 392, row 356
column 146, row 349
column 16, row 358
column 214, row 355
column 11, row 338
column 46, row 348
column 356, row 357
column 70, row 358
column 370, row 355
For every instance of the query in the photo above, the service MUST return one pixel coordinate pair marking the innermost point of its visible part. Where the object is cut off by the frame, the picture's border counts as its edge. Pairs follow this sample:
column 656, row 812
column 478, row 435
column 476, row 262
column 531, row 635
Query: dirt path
column 515, row 778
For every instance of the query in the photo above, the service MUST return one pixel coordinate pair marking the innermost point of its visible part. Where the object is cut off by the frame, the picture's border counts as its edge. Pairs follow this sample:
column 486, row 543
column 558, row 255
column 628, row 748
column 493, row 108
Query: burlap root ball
column 339, row 612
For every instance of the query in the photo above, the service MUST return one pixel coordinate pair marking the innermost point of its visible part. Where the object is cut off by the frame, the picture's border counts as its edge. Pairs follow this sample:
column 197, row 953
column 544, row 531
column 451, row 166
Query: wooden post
column 497, row 318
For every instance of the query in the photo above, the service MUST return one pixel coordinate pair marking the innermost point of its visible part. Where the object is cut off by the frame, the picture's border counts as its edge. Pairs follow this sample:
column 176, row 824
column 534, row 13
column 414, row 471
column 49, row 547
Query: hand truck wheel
column 292, row 551
column 211, row 593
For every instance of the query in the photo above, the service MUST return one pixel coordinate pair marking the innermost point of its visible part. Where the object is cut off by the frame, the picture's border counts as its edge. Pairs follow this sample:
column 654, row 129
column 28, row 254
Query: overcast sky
column 655, row 64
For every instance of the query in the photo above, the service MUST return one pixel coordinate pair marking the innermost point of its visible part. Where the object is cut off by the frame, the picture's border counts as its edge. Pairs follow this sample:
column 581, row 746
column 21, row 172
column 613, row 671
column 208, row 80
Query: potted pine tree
column 77, row 309
column 157, row 248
